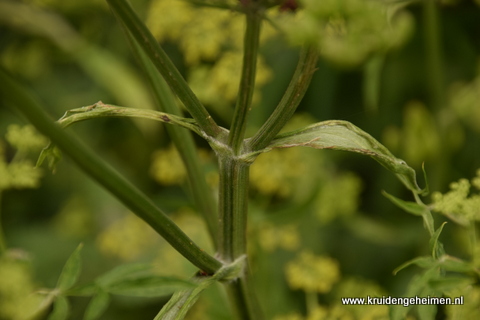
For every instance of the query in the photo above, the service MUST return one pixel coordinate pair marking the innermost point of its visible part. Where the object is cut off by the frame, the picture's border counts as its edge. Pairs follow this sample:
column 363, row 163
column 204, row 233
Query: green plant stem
column 164, row 65
column 472, row 233
column 243, row 298
column 183, row 140
column 311, row 301
column 247, row 81
column 233, row 199
column 3, row 242
column 434, row 59
column 105, row 175
column 232, row 241
column 291, row 99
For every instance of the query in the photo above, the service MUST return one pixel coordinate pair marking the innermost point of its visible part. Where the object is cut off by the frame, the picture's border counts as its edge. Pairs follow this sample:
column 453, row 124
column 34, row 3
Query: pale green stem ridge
column 183, row 140
column 105, row 175
column 247, row 81
column 291, row 99
column 164, row 65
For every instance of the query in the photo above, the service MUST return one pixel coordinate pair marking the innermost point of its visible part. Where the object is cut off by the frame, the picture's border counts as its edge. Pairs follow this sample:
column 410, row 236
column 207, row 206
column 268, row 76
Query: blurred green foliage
column 314, row 215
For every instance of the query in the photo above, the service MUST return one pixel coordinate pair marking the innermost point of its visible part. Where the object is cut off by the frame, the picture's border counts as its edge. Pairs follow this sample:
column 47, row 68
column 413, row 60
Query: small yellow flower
column 312, row 273
column 17, row 300
column 127, row 238
column 345, row 186
column 272, row 237
column 25, row 138
column 458, row 204
column 167, row 167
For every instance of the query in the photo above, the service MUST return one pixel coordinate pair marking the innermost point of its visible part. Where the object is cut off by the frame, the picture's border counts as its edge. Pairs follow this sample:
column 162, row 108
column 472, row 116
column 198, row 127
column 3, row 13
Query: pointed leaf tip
column 71, row 270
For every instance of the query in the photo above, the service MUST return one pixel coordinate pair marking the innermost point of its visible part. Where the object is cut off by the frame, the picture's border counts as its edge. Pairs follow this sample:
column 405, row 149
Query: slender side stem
column 247, row 82
column 436, row 86
column 291, row 99
column 183, row 140
column 164, row 65
column 105, row 175
column 434, row 54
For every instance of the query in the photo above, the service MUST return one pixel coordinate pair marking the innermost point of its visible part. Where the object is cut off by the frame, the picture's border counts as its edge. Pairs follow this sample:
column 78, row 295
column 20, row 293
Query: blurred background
column 413, row 84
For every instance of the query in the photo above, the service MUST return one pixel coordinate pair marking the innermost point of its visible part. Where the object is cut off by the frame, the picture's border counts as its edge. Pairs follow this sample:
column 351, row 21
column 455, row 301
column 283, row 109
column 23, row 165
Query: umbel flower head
column 312, row 273
column 458, row 204
column 347, row 31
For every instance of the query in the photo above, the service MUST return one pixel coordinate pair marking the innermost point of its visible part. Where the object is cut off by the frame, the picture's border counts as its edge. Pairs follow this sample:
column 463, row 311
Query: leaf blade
column 344, row 136
column 71, row 270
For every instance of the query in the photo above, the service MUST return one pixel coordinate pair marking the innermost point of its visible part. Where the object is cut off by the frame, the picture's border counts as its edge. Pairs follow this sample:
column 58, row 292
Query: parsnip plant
column 347, row 32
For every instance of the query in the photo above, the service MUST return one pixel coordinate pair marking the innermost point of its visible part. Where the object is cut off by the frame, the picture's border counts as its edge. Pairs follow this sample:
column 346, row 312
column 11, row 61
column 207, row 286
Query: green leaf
column 97, row 306
column 137, row 279
column 71, row 270
column 52, row 154
column 342, row 135
column 445, row 284
column 418, row 285
column 149, row 286
column 414, row 208
column 435, row 245
column 61, row 309
column 88, row 289
column 453, row 264
column 181, row 302
column 121, row 272
column 422, row 262
column 408, row 206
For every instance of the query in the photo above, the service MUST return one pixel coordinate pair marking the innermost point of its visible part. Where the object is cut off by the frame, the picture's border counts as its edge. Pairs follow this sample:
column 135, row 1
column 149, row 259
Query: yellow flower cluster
column 273, row 173
column 348, row 31
column 419, row 139
column 312, row 273
column 347, row 187
column 359, row 287
column 127, row 238
column 75, row 219
column 209, row 81
column 167, row 167
column 17, row 300
column 471, row 307
column 348, row 287
column 288, row 173
column 271, row 237
column 20, row 172
column 211, row 41
column 465, row 101
column 457, row 204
